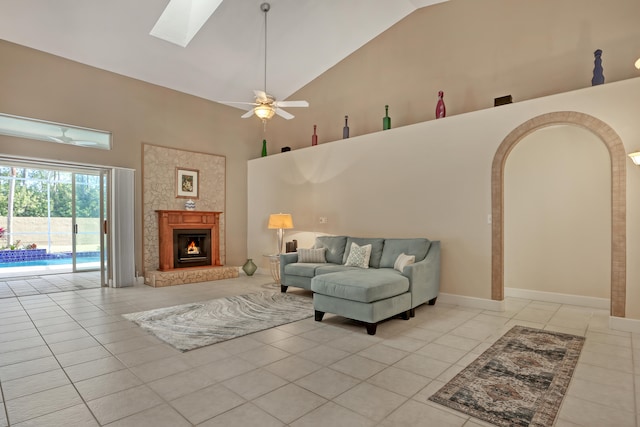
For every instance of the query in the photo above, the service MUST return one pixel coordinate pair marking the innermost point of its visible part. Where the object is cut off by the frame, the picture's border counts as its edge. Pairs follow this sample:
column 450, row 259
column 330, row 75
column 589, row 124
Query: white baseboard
column 471, row 302
column 624, row 324
column 592, row 302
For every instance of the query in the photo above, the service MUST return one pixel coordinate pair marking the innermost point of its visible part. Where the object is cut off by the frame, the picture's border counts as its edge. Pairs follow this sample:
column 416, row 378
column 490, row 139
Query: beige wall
column 431, row 179
column 34, row 84
column 474, row 51
column 557, row 204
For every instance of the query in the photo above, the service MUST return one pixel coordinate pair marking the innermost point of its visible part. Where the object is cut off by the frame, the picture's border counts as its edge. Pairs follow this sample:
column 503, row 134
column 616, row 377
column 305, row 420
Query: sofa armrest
column 287, row 258
column 424, row 276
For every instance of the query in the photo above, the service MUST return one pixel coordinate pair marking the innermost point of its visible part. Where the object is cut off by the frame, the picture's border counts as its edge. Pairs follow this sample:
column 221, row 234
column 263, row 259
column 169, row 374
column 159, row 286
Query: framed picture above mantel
column 187, row 183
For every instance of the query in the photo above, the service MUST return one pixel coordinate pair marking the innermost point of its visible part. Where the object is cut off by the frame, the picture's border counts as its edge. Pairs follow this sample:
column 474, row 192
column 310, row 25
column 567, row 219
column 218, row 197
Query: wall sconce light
column 638, row 64
column 635, row 157
column 280, row 222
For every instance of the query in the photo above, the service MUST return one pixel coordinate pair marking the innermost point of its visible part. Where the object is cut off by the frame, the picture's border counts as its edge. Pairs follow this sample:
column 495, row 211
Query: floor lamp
column 280, row 222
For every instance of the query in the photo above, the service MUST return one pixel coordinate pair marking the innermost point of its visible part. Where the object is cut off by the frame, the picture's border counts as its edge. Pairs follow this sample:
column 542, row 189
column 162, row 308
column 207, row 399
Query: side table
column 274, row 266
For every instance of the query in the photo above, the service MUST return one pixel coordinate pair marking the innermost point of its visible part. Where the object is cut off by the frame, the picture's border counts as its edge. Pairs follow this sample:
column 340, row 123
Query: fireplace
column 188, row 239
column 191, row 247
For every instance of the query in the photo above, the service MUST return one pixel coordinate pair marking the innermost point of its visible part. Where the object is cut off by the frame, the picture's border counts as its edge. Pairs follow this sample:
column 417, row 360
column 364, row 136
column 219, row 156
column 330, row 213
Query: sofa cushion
column 394, row 247
column 335, row 247
column 403, row 260
column 376, row 249
column 312, row 255
column 332, row 268
column 301, row 269
column 358, row 256
column 361, row 285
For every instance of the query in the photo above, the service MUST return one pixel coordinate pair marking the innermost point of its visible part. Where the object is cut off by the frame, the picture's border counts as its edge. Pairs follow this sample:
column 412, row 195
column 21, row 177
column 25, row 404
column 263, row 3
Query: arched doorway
column 618, row 199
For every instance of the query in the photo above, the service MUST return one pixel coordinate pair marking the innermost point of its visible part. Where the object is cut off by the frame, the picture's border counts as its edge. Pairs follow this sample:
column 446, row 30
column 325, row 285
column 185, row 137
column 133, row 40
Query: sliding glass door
column 89, row 218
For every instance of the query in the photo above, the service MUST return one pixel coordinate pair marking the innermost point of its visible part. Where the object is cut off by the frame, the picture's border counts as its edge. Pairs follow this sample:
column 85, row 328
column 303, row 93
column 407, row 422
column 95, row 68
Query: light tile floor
column 23, row 281
column 70, row 359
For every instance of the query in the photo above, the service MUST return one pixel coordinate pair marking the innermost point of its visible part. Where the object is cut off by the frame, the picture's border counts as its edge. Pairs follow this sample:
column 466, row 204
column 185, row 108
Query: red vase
column 441, row 110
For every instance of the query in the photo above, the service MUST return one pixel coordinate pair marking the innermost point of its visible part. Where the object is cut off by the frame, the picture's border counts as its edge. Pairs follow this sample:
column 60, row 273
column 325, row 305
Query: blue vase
column 598, row 76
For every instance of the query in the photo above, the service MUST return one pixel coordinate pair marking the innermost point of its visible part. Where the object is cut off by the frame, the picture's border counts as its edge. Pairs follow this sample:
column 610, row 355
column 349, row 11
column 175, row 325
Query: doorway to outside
column 53, row 220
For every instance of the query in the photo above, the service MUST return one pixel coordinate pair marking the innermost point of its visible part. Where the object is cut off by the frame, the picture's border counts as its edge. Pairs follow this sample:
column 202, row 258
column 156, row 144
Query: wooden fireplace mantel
column 170, row 220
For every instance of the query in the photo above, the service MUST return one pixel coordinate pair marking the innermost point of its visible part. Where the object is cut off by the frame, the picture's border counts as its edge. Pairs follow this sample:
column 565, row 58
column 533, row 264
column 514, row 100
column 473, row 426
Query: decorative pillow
column 403, row 260
column 359, row 256
column 312, row 255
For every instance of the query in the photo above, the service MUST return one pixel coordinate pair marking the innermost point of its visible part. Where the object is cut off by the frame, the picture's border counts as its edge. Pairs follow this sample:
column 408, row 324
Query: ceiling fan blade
column 291, row 104
column 247, row 114
column 261, row 95
column 284, row 114
column 237, row 102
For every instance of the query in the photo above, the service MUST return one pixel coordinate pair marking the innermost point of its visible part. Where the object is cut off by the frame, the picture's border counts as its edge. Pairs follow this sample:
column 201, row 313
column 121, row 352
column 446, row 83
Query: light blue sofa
column 372, row 294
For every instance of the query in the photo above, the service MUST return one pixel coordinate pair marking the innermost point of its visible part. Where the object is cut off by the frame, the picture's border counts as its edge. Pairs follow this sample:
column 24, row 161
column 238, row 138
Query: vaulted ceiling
column 225, row 60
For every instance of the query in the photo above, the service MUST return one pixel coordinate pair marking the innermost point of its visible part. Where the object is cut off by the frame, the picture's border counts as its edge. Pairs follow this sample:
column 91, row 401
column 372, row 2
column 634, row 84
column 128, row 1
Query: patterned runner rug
column 195, row 325
column 519, row 381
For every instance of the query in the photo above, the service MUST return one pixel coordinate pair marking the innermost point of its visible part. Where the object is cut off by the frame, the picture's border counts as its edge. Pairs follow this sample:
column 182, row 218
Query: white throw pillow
column 312, row 255
column 359, row 256
column 403, row 260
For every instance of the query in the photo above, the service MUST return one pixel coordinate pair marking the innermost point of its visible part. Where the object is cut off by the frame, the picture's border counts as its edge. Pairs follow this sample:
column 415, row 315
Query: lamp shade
column 635, row 157
column 280, row 221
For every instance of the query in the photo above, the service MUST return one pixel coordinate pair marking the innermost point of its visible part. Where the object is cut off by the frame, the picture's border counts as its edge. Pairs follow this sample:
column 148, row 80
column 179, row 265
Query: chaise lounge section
column 397, row 276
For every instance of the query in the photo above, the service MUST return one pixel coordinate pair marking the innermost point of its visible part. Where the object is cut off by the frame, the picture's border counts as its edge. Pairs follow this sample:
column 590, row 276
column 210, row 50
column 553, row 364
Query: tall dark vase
column 249, row 267
column 314, row 137
column 345, row 129
column 386, row 120
column 264, row 148
column 598, row 72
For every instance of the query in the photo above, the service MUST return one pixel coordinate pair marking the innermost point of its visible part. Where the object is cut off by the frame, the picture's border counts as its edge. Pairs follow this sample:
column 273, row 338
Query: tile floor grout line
column 58, row 362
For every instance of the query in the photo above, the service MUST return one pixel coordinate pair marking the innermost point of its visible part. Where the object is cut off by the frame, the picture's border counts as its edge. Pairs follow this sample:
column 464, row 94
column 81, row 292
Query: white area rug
column 195, row 325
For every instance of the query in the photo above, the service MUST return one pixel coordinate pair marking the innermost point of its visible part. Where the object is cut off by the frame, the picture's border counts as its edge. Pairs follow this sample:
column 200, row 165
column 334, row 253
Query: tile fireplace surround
column 159, row 193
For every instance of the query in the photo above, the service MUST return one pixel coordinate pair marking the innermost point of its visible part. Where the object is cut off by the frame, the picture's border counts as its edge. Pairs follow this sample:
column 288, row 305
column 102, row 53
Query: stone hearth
column 181, row 276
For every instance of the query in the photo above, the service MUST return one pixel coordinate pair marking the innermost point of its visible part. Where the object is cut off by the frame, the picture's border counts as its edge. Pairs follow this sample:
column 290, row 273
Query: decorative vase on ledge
column 345, row 129
column 190, row 205
column 249, row 267
column 441, row 110
column 386, row 120
column 598, row 76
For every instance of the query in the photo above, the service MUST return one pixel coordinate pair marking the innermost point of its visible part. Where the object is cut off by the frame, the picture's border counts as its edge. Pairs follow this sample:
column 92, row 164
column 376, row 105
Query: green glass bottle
column 386, row 120
column 264, row 148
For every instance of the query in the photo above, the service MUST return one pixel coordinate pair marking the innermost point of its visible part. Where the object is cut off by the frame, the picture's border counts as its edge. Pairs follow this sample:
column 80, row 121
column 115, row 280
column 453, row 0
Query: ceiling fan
column 265, row 105
column 64, row 139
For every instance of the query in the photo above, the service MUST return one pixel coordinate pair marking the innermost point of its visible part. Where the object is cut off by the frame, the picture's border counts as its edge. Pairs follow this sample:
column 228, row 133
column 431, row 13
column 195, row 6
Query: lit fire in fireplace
column 192, row 249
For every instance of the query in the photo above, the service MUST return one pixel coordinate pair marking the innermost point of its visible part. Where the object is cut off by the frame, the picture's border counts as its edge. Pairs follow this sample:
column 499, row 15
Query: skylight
column 182, row 19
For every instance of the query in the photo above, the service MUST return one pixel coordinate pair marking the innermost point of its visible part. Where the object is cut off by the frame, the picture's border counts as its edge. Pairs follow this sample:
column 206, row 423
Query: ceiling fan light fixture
column 264, row 111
